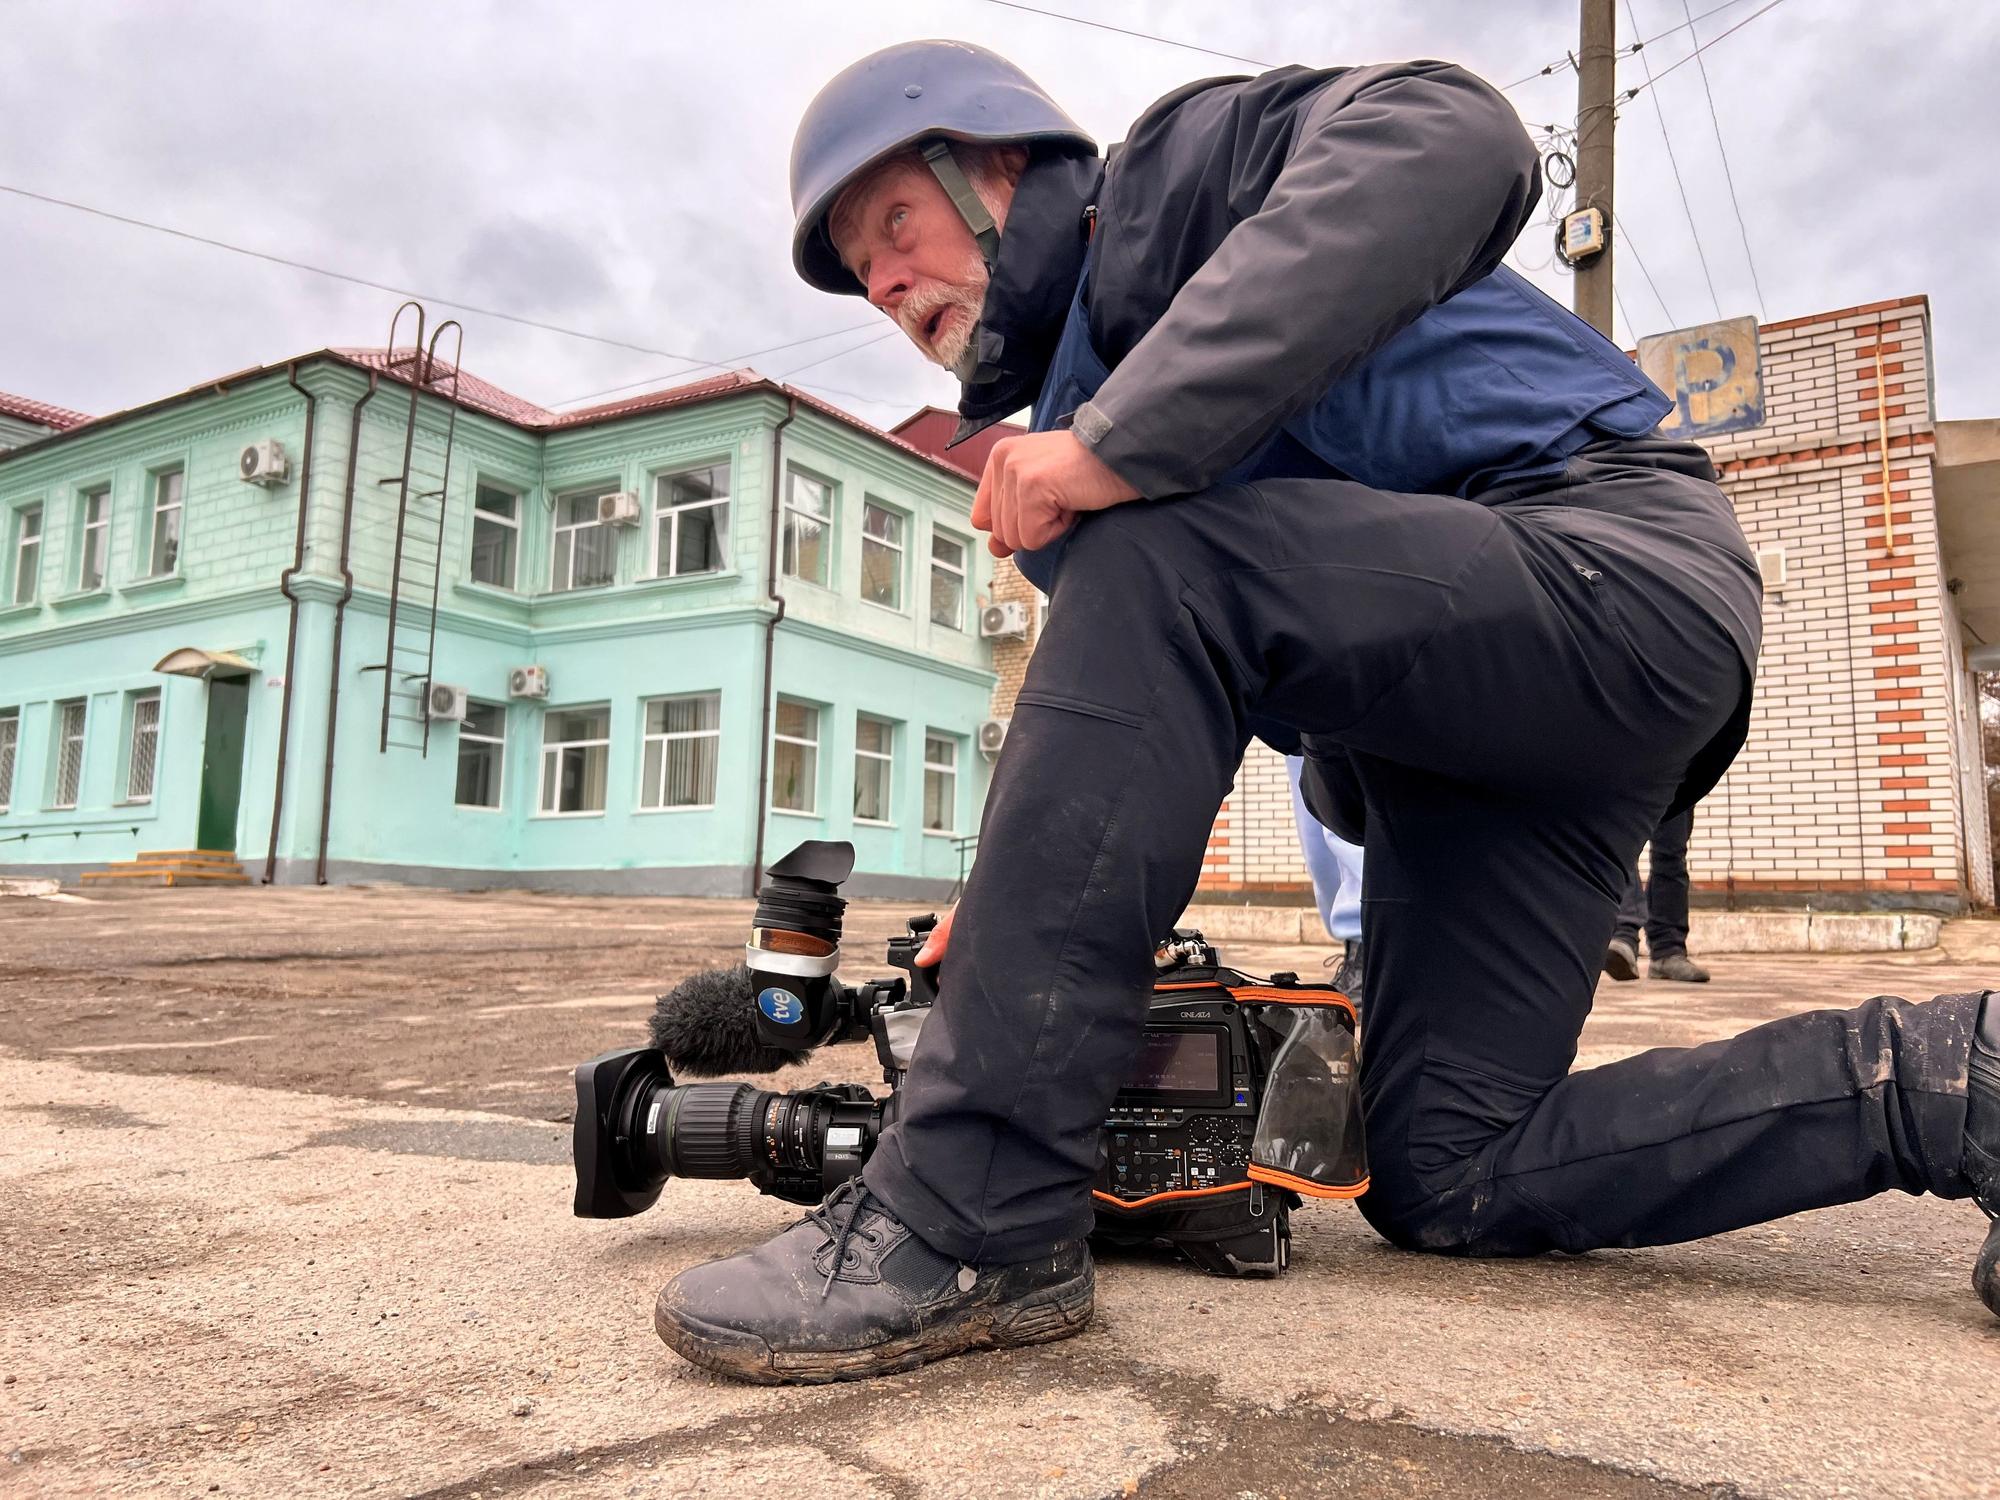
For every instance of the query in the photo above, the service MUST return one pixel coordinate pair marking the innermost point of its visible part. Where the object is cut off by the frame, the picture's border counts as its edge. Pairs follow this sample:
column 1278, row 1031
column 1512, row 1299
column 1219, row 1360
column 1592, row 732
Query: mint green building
column 667, row 637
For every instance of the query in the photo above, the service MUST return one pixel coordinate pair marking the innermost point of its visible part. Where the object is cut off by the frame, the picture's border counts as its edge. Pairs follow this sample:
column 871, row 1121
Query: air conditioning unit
column 1004, row 622
column 264, row 463
column 528, row 682
column 445, row 702
column 619, row 508
column 992, row 735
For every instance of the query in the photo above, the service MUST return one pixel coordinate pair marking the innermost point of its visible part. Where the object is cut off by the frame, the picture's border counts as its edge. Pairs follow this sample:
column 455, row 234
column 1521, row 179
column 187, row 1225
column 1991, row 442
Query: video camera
column 1243, row 1098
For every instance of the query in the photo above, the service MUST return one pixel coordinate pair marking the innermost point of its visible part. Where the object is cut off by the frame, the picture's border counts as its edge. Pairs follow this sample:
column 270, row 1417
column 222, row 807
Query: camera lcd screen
column 1178, row 1062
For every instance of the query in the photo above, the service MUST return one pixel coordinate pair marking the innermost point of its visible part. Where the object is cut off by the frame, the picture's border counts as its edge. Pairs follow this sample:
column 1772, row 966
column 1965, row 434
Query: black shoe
column 1677, row 967
column 1621, row 959
column 849, row 1292
column 1982, row 1145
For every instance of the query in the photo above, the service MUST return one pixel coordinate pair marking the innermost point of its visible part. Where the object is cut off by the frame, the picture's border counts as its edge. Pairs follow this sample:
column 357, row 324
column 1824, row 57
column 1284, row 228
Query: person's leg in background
column 1621, row 955
column 1335, row 867
column 1666, row 917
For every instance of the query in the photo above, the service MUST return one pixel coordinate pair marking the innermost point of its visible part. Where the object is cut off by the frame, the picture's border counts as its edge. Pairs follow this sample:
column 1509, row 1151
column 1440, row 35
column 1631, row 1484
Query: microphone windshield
column 707, row 1026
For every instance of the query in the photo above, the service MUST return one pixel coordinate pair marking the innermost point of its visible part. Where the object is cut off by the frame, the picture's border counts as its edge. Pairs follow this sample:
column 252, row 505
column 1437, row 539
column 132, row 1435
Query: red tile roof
column 483, row 396
column 400, row 364
column 60, row 418
column 929, row 429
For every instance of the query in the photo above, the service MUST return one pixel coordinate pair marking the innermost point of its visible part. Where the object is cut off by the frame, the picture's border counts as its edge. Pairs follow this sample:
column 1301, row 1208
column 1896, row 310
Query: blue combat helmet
column 915, row 95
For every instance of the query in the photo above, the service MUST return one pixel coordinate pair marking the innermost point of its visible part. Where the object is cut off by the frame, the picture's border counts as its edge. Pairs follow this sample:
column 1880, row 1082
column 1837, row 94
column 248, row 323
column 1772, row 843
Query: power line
column 1056, row 15
column 1683, row 62
column 1673, row 161
column 710, row 364
column 1727, row 175
column 866, row 343
column 381, row 286
column 1625, row 236
column 1568, row 63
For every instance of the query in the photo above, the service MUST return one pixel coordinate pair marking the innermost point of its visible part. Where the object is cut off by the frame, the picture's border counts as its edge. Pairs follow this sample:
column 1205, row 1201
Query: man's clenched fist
column 1034, row 488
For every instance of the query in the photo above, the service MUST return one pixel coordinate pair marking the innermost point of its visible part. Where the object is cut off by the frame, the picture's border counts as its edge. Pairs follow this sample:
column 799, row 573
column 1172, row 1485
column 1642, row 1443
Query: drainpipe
column 339, row 617
column 292, row 627
column 770, row 636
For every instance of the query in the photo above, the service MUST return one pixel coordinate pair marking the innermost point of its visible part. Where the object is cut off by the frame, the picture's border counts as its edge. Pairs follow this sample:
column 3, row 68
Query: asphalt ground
column 285, row 1210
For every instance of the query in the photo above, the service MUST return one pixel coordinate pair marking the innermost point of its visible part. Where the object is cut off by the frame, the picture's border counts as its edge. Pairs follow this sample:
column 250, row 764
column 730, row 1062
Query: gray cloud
column 621, row 168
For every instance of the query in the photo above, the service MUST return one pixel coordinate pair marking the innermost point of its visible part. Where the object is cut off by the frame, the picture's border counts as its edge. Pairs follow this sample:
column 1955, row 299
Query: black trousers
column 1659, row 903
column 1502, row 698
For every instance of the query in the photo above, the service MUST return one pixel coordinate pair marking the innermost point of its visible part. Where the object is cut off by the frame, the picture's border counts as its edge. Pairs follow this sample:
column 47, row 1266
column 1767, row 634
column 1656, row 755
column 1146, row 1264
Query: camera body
column 1242, row 1100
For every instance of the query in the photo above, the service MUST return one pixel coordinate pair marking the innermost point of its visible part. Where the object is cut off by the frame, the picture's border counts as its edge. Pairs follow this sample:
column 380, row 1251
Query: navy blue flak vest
column 1497, row 382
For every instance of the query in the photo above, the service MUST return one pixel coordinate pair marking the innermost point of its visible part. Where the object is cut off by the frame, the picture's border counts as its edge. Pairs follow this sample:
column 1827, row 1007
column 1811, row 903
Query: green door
column 222, row 762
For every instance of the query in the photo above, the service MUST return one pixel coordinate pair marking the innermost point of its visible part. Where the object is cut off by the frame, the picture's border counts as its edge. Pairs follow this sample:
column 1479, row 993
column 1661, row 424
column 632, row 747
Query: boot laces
column 854, row 1197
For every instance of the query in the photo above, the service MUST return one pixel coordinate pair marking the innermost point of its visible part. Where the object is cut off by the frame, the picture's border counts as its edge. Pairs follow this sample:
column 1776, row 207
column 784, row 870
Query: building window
column 691, row 522
column 795, row 757
column 947, row 580
column 69, row 752
column 586, row 552
column 940, row 783
column 808, row 533
column 874, row 745
column 166, row 543
column 881, row 556
column 683, row 743
column 27, row 553
column 94, row 518
column 496, row 538
column 482, row 754
column 576, row 746
column 144, row 751
column 10, row 736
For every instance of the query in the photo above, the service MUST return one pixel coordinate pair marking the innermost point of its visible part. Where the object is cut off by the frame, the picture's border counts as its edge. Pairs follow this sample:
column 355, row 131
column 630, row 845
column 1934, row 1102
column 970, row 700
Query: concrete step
column 163, row 875
column 1708, row 931
column 226, row 856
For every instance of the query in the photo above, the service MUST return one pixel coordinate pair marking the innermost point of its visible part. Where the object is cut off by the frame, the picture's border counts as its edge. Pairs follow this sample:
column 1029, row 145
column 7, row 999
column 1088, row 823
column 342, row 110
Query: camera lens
column 710, row 1129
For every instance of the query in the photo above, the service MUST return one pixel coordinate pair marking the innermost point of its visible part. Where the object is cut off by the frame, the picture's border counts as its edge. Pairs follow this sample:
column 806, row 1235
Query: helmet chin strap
column 985, row 233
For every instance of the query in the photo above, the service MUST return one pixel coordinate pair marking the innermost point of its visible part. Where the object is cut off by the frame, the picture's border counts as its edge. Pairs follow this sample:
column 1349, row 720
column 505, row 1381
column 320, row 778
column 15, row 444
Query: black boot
column 849, row 1292
column 1621, row 958
column 1982, row 1144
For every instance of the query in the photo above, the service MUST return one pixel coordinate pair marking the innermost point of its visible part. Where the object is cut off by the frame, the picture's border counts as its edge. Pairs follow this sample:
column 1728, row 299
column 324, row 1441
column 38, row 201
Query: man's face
column 900, row 235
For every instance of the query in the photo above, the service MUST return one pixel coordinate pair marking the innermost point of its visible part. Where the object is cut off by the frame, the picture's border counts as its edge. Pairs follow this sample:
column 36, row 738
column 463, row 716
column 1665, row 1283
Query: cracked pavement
column 284, row 1209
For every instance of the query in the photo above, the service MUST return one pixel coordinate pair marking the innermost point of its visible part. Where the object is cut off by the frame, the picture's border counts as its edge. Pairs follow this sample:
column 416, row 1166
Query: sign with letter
column 1713, row 374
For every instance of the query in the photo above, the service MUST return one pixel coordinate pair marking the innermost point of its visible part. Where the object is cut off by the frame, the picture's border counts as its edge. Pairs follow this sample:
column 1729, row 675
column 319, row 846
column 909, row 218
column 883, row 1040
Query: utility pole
column 1596, row 87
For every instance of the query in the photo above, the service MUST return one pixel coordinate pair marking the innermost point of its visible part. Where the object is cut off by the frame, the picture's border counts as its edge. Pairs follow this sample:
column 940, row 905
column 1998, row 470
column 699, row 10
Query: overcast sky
column 621, row 170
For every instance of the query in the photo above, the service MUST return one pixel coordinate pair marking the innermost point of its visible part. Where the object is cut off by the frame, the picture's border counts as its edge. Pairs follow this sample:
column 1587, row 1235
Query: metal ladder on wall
column 420, row 488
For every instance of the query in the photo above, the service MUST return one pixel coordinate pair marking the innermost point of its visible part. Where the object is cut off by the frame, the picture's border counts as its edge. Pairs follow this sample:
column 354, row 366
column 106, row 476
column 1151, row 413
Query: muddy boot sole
column 1041, row 1317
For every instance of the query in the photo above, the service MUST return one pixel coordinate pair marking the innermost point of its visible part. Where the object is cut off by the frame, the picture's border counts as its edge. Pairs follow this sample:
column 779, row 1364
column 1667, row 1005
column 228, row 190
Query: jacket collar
column 1029, row 293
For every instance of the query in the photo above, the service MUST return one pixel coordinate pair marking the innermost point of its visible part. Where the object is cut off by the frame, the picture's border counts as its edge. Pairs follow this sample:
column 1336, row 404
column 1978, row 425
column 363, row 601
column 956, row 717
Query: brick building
column 1862, row 780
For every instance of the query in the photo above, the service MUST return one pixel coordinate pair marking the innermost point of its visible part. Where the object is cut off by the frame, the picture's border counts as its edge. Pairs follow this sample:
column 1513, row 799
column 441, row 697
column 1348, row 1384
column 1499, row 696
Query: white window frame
column 158, row 509
column 870, row 540
column 511, row 523
column 553, row 752
column 10, row 754
column 145, row 706
column 28, row 579
column 778, row 737
column 673, row 514
column 788, row 546
column 962, row 572
column 85, row 526
column 666, row 738
column 468, row 735
column 64, row 738
column 948, row 769
column 887, row 772
column 558, row 527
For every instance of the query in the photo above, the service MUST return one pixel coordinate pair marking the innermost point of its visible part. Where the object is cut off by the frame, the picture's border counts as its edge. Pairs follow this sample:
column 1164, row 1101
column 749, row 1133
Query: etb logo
column 781, row 1006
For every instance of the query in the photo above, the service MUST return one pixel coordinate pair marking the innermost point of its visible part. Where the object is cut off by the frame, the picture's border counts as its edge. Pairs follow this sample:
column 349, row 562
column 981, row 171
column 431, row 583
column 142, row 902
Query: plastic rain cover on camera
column 1309, row 1125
